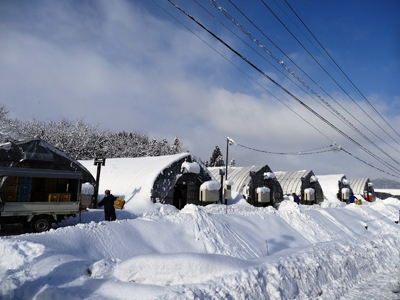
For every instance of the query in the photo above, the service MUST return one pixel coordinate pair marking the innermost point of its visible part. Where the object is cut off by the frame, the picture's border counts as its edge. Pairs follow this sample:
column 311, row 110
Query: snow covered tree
column 82, row 141
column 217, row 159
column 7, row 125
column 233, row 162
column 176, row 146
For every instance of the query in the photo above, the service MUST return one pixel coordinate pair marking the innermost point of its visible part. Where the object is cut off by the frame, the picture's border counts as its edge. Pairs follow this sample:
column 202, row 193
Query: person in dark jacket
column 108, row 202
column 296, row 198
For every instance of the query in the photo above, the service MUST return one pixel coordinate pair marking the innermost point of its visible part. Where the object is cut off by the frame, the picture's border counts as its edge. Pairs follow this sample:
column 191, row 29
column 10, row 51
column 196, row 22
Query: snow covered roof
column 134, row 178
column 358, row 185
column 330, row 184
column 239, row 175
column 291, row 181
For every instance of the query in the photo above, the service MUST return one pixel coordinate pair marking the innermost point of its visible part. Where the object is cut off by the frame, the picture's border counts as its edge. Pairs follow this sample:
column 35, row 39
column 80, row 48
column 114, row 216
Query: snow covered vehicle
column 39, row 184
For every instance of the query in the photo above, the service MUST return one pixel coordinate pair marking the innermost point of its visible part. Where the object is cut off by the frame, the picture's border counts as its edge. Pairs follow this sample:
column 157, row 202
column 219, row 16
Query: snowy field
column 154, row 251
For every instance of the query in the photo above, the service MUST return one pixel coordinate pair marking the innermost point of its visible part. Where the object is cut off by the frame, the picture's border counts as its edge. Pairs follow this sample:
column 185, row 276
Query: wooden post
column 99, row 162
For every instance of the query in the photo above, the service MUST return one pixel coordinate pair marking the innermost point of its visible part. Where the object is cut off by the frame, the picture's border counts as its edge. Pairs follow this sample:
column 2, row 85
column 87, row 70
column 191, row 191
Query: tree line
column 82, row 141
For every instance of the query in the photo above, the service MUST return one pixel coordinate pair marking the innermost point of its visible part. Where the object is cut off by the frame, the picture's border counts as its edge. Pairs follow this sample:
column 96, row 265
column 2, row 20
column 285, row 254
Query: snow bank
column 236, row 251
column 179, row 268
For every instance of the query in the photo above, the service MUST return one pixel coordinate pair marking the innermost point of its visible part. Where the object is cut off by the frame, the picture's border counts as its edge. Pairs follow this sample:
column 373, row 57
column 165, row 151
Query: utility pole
column 99, row 162
column 226, row 165
column 229, row 141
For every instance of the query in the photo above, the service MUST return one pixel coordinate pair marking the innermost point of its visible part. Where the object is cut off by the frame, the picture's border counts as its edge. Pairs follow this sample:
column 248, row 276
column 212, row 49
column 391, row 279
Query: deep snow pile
column 243, row 252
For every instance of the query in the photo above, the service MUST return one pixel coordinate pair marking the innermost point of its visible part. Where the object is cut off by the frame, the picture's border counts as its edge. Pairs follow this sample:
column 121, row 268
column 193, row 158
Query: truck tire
column 40, row 223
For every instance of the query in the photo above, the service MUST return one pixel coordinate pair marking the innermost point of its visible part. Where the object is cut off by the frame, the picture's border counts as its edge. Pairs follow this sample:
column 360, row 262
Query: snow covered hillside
column 154, row 251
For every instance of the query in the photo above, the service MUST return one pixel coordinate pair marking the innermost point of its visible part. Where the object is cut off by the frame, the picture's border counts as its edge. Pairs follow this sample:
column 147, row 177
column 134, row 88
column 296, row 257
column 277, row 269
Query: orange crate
column 54, row 197
column 9, row 197
column 119, row 203
column 65, row 197
column 11, row 189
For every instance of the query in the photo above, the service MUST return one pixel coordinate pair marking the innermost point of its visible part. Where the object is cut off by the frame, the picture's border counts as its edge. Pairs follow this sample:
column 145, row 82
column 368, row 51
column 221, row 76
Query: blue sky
column 129, row 65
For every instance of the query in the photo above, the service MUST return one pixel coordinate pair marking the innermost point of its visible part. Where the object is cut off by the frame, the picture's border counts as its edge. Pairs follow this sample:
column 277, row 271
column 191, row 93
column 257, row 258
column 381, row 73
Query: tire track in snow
column 338, row 224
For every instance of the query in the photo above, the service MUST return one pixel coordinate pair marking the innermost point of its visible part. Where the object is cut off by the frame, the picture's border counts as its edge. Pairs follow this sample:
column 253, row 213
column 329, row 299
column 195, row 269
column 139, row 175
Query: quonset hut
column 169, row 179
column 363, row 187
column 303, row 183
column 257, row 184
column 335, row 186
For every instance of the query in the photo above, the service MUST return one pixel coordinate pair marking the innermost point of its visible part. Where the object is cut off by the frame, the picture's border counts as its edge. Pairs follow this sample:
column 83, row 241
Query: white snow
column 238, row 251
column 228, row 182
column 262, row 190
column 211, row 185
column 389, row 191
column 87, row 189
column 188, row 167
column 309, row 191
column 269, row 175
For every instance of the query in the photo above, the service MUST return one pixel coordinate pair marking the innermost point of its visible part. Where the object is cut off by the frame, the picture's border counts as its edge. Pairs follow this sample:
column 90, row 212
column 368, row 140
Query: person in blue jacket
column 296, row 198
column 352, row 199
column 108, row 203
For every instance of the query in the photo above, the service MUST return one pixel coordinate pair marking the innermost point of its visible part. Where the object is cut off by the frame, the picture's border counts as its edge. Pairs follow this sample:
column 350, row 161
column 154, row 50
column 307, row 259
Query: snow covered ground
column 327, row 251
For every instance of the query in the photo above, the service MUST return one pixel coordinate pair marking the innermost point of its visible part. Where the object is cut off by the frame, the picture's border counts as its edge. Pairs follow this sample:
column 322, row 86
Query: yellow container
column 65, row 197
column 119, row 203
column 54, row 197
column 358, row 201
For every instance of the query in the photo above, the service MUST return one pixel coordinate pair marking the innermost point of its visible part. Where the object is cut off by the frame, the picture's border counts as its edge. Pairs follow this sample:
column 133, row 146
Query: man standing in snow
column 108, row 202
column 296, row 198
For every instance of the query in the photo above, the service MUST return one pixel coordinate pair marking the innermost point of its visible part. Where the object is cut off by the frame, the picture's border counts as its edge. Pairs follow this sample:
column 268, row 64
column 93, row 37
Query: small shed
column 335, row 186
column 303, row 183
column 246, row 181
column 363, row 187
column 168, row 179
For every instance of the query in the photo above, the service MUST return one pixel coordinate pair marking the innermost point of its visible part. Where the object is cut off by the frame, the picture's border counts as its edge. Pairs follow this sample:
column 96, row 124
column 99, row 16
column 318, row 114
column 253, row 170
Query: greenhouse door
column 180, row 195
column 186, row 191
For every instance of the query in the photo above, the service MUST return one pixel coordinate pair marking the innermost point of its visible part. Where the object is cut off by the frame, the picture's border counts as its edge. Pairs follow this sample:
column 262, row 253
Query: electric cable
column 342, row 71
column 285, row 90
column 225, row 12
column 330, row 76
column 304, row 152
column 244, row 73
column 261, row 56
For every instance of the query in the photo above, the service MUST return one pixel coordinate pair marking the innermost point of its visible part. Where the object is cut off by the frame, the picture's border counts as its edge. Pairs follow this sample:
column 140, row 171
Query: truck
column 39, row 184
column 36, row 198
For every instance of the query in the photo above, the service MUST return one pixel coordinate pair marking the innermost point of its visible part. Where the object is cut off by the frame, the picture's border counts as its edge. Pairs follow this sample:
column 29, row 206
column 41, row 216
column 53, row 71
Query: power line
column 330, row 76
column 286, row 91
column 333, row 148
column 227, row 15
column 261, row 56
column 304, row 152
column 244, row 73
column 344, row 73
